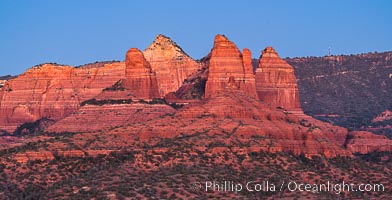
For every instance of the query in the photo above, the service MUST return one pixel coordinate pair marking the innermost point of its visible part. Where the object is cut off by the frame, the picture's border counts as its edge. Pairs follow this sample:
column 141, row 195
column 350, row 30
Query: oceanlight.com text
column 290, row 186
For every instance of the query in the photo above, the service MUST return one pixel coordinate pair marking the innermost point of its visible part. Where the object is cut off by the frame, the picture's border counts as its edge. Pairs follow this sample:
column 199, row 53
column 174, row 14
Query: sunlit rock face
column 170, row 63
column 139, row 78
column 229, row 68
column 53, row 91
column 275, row 81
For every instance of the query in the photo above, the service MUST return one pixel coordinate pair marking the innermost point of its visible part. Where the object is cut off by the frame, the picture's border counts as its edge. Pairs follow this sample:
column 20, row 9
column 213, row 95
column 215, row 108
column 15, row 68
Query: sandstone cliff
column 231, row 121
column 275, row 81
column 227, row 63
column 140, row 81
column 240, row 116
column 364, row 142
column 170, row 63
column 111, row 115
column 116, row 104
column 139, row 78
column 52, row 91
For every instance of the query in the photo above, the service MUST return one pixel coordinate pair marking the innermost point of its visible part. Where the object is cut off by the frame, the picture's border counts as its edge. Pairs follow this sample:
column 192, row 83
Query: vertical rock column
column 139, row 77
column 228, row 68
column 275, row 81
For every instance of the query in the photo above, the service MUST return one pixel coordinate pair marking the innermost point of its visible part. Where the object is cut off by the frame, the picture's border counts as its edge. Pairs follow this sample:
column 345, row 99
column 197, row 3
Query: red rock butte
column 228, row 65
column 139, row 78
column 171, row 64
column 275, row 81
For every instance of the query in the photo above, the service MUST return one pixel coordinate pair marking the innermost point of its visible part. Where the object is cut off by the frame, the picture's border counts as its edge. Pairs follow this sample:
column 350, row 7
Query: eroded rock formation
column 230, row 117
column 364, row 142
column 170, row 63
column 275, row 81
column 52, row 91
column 227, row 63
column 239, row 119
column 111, row 115
column 140, row 79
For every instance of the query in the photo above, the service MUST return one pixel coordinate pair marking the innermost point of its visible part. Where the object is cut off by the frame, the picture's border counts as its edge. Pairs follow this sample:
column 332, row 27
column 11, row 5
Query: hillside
column 347, row 90
column 173, row 168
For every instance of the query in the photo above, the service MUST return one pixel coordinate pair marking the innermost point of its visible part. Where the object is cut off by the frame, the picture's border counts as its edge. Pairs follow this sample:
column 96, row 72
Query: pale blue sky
column 76, row 32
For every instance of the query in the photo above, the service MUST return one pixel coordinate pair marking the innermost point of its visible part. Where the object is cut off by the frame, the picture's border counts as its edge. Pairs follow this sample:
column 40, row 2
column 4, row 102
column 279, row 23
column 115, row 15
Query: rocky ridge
column 384, row 116
column 230, row 105
column 52, row 91
column 120, row 143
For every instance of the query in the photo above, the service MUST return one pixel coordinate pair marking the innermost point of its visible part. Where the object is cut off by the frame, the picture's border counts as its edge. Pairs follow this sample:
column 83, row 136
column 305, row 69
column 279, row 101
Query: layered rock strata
column 52, row 91
column 170, row 63
column 111, row 115
column 275, row 81
column 226, row 63
column 140, row 79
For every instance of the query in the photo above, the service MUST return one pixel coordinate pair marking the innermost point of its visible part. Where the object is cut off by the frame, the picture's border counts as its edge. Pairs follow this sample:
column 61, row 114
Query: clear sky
column 76, row 32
